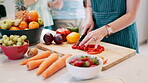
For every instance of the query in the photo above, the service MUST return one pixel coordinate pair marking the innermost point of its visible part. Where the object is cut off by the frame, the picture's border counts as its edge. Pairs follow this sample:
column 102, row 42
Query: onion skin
column 32, row 52
column 58, row 39
column 48, row 38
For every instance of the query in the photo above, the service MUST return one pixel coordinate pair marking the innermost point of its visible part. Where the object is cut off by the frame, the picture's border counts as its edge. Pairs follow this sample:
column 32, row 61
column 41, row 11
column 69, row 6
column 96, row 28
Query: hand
column 89, row 25
column 96, row 36
column 57, row 4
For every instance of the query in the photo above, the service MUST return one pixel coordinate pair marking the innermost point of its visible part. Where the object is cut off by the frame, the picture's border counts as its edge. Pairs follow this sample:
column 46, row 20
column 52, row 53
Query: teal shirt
column 107, row 11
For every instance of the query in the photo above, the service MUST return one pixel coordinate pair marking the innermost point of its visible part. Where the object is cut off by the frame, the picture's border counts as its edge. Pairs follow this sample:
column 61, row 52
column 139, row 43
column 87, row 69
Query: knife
column 82, row 37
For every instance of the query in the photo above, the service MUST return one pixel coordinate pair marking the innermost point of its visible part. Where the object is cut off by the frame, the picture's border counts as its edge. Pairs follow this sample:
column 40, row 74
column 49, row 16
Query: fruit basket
column 29, row 24
column 33, row 35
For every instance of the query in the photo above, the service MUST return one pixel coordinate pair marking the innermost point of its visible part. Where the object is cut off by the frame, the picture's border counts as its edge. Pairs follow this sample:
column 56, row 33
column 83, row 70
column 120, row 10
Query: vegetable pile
column 47, row 63
column 90, row 49
column 62, row 35
column 73, row 29
column 85, row 61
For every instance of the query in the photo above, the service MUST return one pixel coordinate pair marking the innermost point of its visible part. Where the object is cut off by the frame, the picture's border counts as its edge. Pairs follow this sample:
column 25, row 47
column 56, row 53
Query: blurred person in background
column 42, row 8
column 67, row 13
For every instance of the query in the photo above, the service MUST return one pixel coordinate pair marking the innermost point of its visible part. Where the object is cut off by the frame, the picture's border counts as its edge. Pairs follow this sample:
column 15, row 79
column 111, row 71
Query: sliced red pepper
column 81, row 47
column 89, row 48
column 94, row 51
column 93, row 46
column 102, row 48
column 85, row 48
column 74, row 46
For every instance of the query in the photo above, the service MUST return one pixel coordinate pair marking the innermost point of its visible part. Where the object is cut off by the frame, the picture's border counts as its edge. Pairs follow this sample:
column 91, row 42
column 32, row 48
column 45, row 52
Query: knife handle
column 86, row 32
column 82, row 37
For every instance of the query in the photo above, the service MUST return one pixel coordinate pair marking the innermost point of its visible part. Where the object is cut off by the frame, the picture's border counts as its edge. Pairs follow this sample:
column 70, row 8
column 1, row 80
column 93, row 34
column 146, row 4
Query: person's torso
column 107, row 11
column 72, row 9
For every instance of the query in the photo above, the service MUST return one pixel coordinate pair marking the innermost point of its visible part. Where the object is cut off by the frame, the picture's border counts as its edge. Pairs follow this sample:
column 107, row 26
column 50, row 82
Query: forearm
column 89, row 13
column 122, row 22
column 88, row 10
column 127, row 19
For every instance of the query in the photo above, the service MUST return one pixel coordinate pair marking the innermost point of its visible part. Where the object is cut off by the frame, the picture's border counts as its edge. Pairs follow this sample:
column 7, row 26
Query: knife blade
column 82, row 37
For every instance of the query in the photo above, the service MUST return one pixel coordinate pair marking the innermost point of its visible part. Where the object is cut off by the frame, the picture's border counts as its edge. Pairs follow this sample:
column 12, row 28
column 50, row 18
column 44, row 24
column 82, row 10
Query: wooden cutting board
column 115, row 54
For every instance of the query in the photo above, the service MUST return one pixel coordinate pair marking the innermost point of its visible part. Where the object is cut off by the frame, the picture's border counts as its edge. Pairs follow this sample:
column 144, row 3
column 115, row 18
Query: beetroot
column 58, row 39
column 48, row 38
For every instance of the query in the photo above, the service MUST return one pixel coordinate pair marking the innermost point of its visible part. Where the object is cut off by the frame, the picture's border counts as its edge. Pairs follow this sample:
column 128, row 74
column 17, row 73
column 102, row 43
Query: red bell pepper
column 94, row 51
column 63, row 31
column 89, row 48
column 74, row 46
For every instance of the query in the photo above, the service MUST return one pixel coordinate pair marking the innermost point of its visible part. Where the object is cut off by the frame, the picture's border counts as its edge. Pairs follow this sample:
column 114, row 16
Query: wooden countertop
column 132, row 70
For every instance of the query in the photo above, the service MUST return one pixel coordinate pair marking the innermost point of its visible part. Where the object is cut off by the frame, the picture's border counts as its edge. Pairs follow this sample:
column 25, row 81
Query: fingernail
column 80, row 44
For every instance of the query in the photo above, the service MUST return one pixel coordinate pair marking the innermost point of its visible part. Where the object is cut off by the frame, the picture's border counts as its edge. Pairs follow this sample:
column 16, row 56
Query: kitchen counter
column 132, row 70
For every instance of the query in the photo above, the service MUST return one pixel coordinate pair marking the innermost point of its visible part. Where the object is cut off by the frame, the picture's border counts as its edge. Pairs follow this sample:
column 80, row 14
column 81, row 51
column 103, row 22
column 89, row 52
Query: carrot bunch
column 37, row 57
column 47, row 63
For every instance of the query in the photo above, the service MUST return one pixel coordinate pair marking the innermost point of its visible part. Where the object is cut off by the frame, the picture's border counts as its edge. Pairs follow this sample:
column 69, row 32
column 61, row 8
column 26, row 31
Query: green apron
column 106, row 11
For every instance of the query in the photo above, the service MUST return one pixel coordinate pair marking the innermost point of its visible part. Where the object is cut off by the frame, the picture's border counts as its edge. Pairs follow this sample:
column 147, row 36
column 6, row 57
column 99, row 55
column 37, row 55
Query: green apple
column 6, row 24
column 40, row 21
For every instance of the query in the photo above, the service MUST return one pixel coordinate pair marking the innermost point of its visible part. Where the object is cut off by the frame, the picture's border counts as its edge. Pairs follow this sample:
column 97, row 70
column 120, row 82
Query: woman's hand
column 96, row 36
column 88, row 26
column 57, row 4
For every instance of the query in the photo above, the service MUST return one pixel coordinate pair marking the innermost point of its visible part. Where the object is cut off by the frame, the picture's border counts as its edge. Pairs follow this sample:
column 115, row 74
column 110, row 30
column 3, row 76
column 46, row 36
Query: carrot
column 34, row 64
column 59, row 64
column 51, row 59
column 105, row 61
column 39, row 56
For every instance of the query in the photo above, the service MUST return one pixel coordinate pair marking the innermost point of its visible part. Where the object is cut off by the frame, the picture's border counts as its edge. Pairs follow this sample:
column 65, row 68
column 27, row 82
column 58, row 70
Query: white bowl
column 84, row 72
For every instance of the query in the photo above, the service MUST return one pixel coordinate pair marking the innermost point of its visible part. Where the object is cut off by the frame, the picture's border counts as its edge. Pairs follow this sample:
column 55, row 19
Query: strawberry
column 74, row 60
column 78, row 63
column 91, row 63
column 85, row 59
